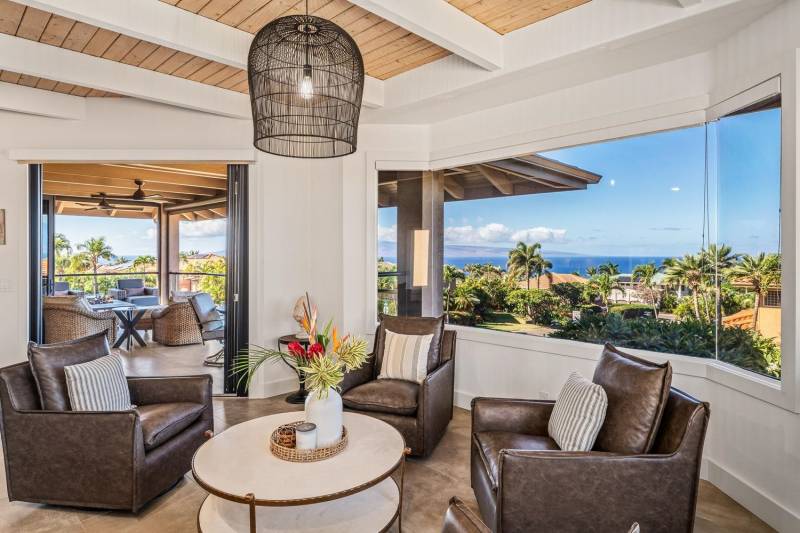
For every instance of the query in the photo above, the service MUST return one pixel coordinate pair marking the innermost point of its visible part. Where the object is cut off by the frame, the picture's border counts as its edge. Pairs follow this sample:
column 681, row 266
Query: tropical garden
column 678, row 306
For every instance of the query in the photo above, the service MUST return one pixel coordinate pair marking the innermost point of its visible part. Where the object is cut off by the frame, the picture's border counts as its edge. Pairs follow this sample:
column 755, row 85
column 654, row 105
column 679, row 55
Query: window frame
column 782, row 393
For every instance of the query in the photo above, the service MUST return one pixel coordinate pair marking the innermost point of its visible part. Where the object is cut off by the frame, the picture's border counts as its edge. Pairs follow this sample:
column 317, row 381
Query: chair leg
column 216, row 359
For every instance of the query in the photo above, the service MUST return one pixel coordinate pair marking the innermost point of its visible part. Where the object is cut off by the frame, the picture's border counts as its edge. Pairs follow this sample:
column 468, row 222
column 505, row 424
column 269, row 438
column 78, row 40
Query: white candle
column 306, row 436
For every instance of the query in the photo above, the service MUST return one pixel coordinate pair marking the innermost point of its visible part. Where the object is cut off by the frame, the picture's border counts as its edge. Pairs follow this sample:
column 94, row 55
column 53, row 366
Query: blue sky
column 649, row 201
column 138, row 236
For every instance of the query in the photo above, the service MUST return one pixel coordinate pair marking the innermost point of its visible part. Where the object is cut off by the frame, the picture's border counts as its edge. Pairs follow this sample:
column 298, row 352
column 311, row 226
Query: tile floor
column 429, row 485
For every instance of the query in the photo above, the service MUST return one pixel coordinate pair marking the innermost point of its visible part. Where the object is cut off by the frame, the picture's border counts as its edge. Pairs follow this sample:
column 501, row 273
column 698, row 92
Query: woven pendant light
column 306, row 79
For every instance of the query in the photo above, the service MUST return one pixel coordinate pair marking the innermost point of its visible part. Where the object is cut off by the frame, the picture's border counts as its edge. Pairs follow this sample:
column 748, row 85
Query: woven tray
column 282, row 446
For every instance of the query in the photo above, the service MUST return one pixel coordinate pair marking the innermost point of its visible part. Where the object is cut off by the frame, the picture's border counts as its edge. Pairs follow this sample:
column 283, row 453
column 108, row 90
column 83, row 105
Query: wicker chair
column 176, row 325
column 68, row 318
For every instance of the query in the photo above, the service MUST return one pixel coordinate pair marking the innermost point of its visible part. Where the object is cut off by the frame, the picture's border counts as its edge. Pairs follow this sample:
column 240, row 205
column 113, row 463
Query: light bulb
column 306, row 86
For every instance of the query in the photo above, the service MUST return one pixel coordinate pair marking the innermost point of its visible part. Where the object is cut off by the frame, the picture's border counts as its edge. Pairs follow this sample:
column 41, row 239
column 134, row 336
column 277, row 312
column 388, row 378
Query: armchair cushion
column 98, row 385
column 461, row 519
column 391, row 396
column 637, row 392
column 411, row 326
column 490, row 443
column 134, row 291
column 162, row 421
column 48, row 362
column 405, row 356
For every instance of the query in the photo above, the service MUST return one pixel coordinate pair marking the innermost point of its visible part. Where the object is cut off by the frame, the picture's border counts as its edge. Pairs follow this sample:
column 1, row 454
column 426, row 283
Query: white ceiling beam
column 688, row 3
column 45, row 61
column 32, row 101
column 445, row 25
column 166, row 25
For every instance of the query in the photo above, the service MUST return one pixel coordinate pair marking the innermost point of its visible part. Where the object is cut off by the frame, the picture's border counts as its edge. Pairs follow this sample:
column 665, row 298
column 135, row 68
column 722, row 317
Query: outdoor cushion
column 489, row 444
column 162, row 421
column 98, row 385
column 392, row 396
column 48, row 362
column 637, row 392
column 134, row 291
column 411, row 326
column 61, row 293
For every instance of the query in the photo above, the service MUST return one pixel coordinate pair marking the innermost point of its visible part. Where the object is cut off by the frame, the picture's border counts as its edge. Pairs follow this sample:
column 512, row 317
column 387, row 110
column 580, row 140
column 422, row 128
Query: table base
column 368, row 511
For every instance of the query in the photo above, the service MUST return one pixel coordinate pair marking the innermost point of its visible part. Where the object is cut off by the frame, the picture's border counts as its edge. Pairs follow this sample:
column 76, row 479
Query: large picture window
column 667, row 242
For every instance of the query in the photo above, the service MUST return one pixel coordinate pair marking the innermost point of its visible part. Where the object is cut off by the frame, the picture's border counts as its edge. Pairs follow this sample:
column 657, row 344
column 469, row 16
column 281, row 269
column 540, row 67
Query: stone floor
column 429, row 485
column 158, row 360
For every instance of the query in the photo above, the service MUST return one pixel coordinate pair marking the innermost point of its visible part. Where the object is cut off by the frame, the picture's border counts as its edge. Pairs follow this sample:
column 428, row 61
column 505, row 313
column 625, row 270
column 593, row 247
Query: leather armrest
column 436, row 409
column 118, row 294
column 149, row 390
column 507, row 414
column 537, row 491
column 460, row 519
column 360, row 376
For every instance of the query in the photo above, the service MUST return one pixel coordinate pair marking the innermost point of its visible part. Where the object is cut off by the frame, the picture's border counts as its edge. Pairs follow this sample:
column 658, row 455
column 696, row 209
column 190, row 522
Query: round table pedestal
column 370, row 510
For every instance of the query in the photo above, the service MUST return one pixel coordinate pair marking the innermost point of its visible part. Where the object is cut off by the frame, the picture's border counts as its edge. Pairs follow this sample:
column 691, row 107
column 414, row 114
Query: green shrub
column 538, row 305
column 741, row 347
column 572, row 293
column 629, row 311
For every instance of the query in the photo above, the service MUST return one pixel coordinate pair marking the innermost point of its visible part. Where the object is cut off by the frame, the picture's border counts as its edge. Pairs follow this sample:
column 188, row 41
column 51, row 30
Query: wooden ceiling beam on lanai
column 75, row 189
column 150, row 187
column 498, row 179
column 145, row 174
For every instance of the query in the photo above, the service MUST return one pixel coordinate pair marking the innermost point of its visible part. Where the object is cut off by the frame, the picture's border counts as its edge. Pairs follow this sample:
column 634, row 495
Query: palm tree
column 524, row 259
column 63, row 249
column 449, row 276
column 612, row 269
column 591, row 271
column 644, row 275
column 688, row 271
column 761, row 272
column 144, row 261
column 603, row 284
column 92, row 251
column 465, row 300
column 542, row 267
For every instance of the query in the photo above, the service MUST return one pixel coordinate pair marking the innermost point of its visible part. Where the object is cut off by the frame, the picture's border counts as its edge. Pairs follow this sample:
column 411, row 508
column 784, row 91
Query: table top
column 114, row 304
column 288, row 339
column 238, row 462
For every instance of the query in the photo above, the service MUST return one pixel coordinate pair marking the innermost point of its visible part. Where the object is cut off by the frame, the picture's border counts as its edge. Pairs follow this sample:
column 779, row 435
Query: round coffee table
column 252, row 490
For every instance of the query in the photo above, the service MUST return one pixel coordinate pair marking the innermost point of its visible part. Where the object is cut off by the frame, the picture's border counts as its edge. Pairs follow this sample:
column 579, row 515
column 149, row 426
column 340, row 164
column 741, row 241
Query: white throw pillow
column 578, row 414
column 405, row 357
column 98, row 385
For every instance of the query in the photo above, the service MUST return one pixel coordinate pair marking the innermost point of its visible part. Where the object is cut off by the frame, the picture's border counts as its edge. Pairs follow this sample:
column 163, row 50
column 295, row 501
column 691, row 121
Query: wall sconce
column 422, row 239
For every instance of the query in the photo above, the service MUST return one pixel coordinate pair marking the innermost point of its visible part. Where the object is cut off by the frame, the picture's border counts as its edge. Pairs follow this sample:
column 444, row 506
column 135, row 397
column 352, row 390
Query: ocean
column 565, row 264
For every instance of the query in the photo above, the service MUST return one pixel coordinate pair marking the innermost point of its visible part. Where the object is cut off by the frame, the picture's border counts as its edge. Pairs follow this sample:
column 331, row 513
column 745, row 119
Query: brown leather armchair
column 460, row 519
column 111, row 460
column 420, row 412
column 523, row 482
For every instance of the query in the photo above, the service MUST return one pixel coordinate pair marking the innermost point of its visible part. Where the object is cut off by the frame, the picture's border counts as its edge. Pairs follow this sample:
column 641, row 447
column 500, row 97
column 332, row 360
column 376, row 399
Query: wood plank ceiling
column 388, row 50
column 505, row 16
column 515, row 176
column 76, row 188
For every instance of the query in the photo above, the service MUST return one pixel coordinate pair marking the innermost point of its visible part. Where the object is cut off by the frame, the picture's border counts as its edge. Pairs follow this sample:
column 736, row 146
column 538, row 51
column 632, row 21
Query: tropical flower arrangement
column 322, row 364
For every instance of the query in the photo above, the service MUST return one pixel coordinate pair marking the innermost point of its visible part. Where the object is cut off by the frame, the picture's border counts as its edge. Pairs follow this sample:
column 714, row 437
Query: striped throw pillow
column 405, row 357
column 98, row 385
column 578, row 414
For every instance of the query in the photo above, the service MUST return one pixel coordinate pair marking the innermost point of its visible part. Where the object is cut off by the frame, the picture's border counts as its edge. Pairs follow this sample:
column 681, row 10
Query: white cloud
column 540, row 234
column 675, row 189
column 150, row 234
column 493, row 232
column 387, row 234
column 203, row 228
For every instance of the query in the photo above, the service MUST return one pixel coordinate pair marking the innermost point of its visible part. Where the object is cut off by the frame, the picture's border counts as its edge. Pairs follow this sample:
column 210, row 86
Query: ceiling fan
column 105, row 205
column 138, row 195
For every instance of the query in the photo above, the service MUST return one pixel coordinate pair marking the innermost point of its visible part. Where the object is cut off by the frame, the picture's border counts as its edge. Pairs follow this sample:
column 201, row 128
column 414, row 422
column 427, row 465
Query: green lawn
column 514, row 324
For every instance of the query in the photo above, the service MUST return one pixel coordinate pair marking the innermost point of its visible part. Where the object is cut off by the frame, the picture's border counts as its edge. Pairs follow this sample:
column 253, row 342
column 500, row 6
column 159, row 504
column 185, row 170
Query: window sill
column 724, row 374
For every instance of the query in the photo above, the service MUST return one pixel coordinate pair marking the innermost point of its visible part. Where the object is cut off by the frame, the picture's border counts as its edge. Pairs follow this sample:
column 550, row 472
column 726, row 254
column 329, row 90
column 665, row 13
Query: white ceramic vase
column 326, row 413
